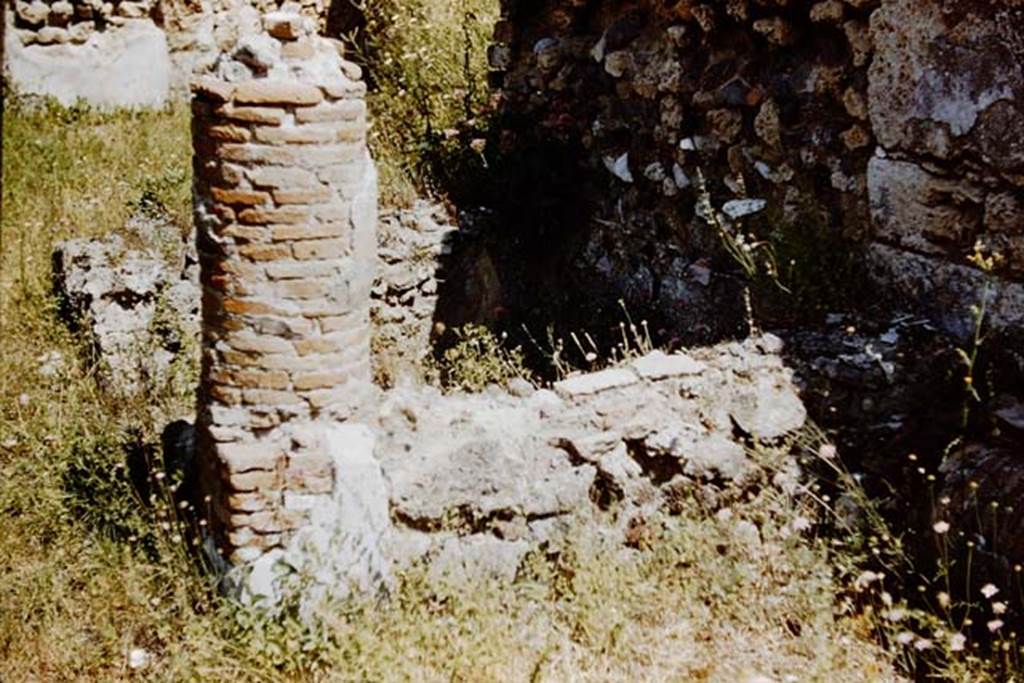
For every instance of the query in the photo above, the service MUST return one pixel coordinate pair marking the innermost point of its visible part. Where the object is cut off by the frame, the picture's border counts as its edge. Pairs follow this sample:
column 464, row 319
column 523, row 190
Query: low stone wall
column 285, row 211
column 895, row 124
column 48, row 23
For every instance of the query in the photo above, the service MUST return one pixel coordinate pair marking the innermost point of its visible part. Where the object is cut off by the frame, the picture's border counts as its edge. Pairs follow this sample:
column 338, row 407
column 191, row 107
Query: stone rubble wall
column 62, row 21
column 138, row 308
column 413, row 243
column 478, row 481
column 54, row 22
column 285, row 211
column 898, row 124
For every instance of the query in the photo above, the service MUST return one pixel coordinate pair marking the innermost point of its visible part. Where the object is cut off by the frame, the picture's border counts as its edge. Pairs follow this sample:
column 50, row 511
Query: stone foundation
column 285, row 210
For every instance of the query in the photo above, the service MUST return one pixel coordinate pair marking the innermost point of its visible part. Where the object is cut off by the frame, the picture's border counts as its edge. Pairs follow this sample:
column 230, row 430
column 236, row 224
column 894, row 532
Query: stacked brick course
column 285, row 203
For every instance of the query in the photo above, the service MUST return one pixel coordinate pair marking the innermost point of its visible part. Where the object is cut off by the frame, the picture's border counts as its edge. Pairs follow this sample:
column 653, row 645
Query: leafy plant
column 478, row 358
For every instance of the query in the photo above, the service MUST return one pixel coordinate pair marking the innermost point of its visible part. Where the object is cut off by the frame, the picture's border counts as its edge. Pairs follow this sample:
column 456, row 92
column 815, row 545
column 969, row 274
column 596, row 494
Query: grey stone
column 706, row 456
column 81, row 32
column 659, row 365
column 32, row 14
column 593, row 446
column 138, row 308
column 929, row 93
column 767, row 409
column 946, row 290
column 738, row 208
column 485, row 477
column 52, row 35
column 717, row 457
column 595, row 382
column 258, row 52
column 479, row 557
column 619, row 467
column 917, row 210
column 517, row 386
column 1012, row 417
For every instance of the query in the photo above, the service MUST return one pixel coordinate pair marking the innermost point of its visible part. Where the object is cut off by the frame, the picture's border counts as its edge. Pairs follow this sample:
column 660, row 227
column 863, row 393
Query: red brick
column 257, row 154
column 229, row 133
column 250, row 307
column 284, row 214
column 241, row 197
column 254, row 481
column 212, row 89
column 269, row 397
column 265, row 252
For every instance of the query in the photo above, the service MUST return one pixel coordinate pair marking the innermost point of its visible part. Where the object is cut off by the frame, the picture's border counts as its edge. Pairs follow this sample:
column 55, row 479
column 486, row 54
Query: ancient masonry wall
column 896, row 124
column 285, row 209
column 55, row 22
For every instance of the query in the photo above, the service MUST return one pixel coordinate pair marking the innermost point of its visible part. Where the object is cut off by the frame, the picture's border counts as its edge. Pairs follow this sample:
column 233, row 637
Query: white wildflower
column 139, row 658
column 896, row 615
column 940, row 527
column 865, row 579
column 905, row 637
column 994, row 625
column 998, row 608
column 957, row 642
column 988, row 590
column 923, row 644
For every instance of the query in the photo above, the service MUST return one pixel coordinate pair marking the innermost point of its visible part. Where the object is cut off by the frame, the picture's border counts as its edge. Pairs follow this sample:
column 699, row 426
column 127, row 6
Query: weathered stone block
column 277, row 92
column 246, row 457
column 318, row 380
column 919, row 211
column 320, row 249
column 281, row 177
column 658, row 365
column 240, row 197
column 346, row 110
column 281, row 214
column 265, row 115
column 595, row 382
column 286, row 270
column 307, row 195
column 265, row 252
column 257, row 154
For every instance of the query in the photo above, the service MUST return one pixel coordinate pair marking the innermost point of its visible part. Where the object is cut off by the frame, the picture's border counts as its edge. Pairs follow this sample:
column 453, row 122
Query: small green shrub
column 478, row 358
column 426, row 64
column 100, row 489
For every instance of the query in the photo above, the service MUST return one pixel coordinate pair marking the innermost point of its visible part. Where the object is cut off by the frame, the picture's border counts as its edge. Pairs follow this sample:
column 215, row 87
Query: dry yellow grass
column 80, row 589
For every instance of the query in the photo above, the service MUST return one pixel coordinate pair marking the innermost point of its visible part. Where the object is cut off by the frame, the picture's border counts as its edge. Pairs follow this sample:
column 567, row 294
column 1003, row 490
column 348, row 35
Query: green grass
column 427, row 63
column 89, row 571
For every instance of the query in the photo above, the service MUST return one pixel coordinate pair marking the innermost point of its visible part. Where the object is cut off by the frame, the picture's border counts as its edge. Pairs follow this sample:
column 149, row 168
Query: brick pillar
column 285, row 213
